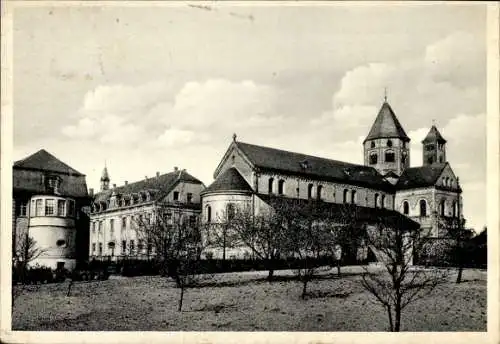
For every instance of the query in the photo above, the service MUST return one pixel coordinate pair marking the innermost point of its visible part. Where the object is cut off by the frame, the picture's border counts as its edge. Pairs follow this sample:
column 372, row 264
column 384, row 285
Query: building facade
column 248, row 174
column 49, row 205
column 117, row 212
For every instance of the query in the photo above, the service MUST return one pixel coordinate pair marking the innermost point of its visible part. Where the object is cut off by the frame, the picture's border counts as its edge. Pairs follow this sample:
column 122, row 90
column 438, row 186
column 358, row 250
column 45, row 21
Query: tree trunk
column 397, row 322
column 389, row 313
column 69, row 288
column 460, row 270
column 304, row 287
column 338, row 268
column 271, row 274
column 180, row 299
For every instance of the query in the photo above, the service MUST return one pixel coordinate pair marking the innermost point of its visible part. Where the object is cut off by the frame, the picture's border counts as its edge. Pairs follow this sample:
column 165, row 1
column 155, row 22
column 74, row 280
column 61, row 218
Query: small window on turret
column 389, row 143
column 373, row 144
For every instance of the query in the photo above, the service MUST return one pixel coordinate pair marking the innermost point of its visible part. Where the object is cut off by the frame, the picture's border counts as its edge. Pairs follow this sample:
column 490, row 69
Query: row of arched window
column 447, row 181
column 423, row 208
column 389, row 156
column 281, row 186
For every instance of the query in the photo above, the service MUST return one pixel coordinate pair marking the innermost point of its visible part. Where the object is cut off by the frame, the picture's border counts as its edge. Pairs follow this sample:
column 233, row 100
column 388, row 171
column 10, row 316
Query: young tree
column 220, row 234
column 177, row 245
column 394, row 242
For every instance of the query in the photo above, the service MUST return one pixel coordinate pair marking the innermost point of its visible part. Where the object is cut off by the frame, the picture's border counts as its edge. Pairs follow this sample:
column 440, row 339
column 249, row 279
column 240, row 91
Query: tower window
column 423, row 207
column 209, row 214
column 429, row 148
column 372, row 145
column 309, row 190
column 383, row 201
column 441, row 208
column 389, row 143
column 373, row 158
column 389, row 156
column 318, row 191
column 270, row 185
column 281, row 187
column 454, row 205
column 406, row 208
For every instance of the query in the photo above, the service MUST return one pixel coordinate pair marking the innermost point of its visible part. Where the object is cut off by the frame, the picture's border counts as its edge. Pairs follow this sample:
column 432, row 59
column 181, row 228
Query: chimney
column 126, row 182
column 91, row 192
column 176, row 169
column 157, row 174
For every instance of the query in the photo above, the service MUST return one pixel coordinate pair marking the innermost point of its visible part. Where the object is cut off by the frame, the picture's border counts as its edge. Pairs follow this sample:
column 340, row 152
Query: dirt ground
column 244, row 302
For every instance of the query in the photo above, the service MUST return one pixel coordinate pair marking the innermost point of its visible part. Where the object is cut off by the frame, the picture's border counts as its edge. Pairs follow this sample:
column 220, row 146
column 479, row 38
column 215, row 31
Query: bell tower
column 434, row 148
column 105, row 179
column 386, row 148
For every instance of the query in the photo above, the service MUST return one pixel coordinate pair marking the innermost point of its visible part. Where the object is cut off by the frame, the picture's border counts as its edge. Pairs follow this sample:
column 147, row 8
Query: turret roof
column 387, row 125
column 434, row 136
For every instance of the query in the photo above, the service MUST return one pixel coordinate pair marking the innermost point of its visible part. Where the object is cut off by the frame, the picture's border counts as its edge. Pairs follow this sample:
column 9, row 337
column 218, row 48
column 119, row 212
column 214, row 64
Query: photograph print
column 208, row 166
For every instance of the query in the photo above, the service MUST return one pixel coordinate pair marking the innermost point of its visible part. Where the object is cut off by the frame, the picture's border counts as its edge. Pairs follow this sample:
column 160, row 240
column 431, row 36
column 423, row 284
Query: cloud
column 156, row 114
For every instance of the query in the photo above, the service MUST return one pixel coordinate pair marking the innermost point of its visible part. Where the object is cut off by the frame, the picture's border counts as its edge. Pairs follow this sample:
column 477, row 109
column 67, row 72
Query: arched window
column 373, row 158
column 389, row 156
column 270, row 186
column 318, row 191
column 230, row 211
column 209, row 213
column 309, row 191
column 383, row 201
column 406, row 208
column 423, row 207
column 441, row 208
column 353, row 196
column 447, row 181
column 372, row 144
column 455, row 212
column 376, row 200
column 389, row 143
column 345, row 195
column 281, row 187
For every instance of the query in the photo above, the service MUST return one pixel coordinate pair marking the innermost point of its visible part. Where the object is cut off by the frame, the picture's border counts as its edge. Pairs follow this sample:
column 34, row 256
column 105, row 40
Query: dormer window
column 53, row 183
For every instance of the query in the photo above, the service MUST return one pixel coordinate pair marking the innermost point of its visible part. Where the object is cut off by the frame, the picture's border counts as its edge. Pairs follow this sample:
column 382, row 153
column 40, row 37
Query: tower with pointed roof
column 386, row 148
column 105, row 179
column 434, row 148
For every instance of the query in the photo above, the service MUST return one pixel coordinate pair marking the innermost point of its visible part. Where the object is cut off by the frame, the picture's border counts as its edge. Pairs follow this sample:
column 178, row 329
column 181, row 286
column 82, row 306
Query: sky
column 145, row 88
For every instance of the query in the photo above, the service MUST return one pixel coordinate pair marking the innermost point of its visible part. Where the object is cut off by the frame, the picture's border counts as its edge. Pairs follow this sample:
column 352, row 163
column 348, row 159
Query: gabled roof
column 422, row 176
column 229, row 180
column 386, row 125
column 434, row 136
column 156, row 186
column 44, row 161
column 309, row 166
column 344, row 213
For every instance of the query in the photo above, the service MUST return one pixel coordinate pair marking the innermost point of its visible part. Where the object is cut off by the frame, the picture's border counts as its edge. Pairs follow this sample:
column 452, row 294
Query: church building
column 248, row 175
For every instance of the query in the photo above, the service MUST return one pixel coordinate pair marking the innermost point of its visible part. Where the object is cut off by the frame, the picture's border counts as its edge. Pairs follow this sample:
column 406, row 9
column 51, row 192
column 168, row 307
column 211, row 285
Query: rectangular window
column 100, row 248
column 100, row 227
column 93, row 227
column 389, row 157
column 176, row 195
column 93, row 248
column 39, row 207
column 124, row 222
column 111, row 226
column 71, row 208
column 61, row 207
column 23, row 209
column 124, row 246
column 189, row 197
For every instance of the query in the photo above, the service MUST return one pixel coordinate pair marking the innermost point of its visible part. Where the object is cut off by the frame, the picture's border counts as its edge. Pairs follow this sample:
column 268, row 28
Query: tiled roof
column 415, row 177
column 229, row 180
column 387, row 125
column 156, row 186
column 43, row 160
column 30, row 176
column 434, row 136
column 344, row 212
column 310, row 166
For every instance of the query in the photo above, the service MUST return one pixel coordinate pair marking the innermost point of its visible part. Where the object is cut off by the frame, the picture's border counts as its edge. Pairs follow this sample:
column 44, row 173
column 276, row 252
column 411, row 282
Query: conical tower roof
column 105, row 174
column 434, row 136
column 386, row 125
column 229, row 180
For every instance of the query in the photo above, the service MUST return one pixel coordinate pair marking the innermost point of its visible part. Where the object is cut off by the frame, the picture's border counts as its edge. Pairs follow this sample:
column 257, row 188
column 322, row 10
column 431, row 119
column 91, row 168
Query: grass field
column 244, row 302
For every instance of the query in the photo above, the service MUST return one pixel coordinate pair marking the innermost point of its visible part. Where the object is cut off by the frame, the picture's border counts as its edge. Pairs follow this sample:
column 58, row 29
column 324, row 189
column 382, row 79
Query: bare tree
column 263, row 234
column 27, row 251
column 398, row 284
column 176, row 244
column 221, row 234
